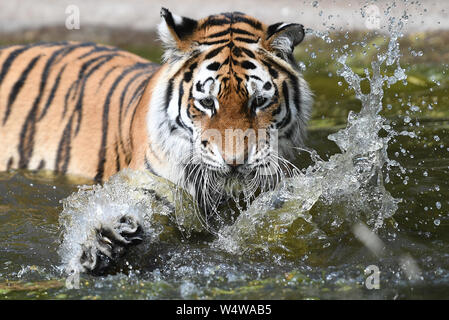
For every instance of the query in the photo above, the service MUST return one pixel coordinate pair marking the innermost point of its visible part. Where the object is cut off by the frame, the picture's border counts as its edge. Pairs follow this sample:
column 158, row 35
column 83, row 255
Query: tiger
column 91, row 110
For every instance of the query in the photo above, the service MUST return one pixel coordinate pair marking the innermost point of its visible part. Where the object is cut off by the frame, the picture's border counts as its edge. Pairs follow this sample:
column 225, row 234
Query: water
column 373, row 191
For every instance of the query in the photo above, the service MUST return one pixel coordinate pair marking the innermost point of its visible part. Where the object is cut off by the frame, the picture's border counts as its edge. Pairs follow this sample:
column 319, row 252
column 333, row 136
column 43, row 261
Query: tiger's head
column 232, row 104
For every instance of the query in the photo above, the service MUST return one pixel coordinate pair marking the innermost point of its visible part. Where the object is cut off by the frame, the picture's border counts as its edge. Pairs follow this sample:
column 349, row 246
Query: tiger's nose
column 234, row 167
column 234, row 162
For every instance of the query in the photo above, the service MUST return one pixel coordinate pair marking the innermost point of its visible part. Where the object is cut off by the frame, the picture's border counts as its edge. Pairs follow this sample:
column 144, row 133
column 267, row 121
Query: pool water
column 322, row 254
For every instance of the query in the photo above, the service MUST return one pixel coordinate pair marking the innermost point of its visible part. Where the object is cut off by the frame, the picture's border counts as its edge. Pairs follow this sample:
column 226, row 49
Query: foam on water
column 140, row 195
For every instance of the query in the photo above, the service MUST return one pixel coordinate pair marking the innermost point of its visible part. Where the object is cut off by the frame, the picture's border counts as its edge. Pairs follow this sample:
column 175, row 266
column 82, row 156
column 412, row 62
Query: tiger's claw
column 110, row 244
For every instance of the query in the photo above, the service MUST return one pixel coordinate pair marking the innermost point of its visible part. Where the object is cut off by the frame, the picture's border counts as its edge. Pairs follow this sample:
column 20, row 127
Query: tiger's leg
column 99, row 224
column 110, row 243
column 96, row 238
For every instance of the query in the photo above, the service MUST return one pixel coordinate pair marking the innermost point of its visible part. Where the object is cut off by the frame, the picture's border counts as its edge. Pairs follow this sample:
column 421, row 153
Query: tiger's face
column 235, row 99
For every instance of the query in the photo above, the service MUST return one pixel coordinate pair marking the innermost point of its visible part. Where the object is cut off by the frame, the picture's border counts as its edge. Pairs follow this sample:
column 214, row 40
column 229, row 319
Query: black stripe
column 125, row 89
column 66, row 99
column 286, row 120
column 255, row 77
column 8, row 61
column 141, row 86
column 138, row 92
column 15, row 54
column 26, row 144
column 220, row 33
column 149, row 167
column 106, row 75
column 79, row 105
column 214, row 22
column 247, row 40
column 52, row 93
column 178, row 118
column 241, row 31
column 66, row 50
column 131, row 125
column 273, row 72
column 248, row 52
column 81, row 74
column 41, row 165
column 214, row 42
column 252, row 23
column 95, row 49
column 75, row 85
column 248, row 65
column 214, row 52
column 214, row 66
column 10, row 164
column 294, row 81
column 18, row 86
column 296, row 93
column 188, row 74
column 276, row 95
column 64, row 148
column 45, row 75
column 117, row 158
column 199, row 87
column 228, row 31
column 272, row 62
column 103, row 146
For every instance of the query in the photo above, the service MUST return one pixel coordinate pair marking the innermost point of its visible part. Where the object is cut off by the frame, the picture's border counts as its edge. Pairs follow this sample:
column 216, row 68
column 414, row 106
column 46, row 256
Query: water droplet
column 436, row 222
column 315, row 4
column 438, row 205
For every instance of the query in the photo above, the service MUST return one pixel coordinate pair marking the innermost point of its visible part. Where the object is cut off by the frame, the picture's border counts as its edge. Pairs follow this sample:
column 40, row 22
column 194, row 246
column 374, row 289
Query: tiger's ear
column 284, row 37
column 175, row 32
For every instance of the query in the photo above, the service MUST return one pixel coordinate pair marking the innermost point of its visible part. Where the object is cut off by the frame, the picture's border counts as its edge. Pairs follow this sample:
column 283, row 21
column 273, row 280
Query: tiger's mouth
column 213, row 185
column 222, row 192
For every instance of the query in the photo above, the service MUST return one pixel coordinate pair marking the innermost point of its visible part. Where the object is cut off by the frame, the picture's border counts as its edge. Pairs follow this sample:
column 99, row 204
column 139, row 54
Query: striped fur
column 91, row 110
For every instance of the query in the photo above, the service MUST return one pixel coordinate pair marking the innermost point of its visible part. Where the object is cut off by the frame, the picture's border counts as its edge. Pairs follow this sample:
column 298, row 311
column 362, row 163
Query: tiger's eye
column 207, row 102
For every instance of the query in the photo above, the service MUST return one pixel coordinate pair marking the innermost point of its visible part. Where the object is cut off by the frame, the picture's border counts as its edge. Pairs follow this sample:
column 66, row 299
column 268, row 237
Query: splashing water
column 353, row 178
column 140, row 195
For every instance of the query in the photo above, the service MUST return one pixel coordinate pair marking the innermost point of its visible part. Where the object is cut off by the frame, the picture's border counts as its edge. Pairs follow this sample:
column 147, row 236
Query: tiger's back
column 68, row 107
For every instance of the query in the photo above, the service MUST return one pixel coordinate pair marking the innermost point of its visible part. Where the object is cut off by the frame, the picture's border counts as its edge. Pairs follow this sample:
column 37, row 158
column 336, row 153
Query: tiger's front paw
column 110, row 243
